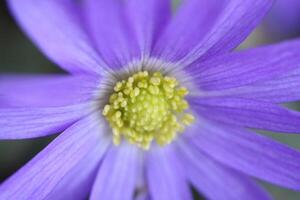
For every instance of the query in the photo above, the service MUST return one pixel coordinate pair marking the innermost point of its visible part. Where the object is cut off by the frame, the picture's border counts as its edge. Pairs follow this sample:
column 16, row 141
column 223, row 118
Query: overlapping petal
column 57, row 162
column 216, row 181
column 110, row 29
column 246, row 67
column 225, row 25
column 166, row 176
column 282, row 89
column 55, row 26
column 78, row 182
column 45, row 90
column 248, row 113
column 17, row 123
column 249, row 152
column 118, row 174
column 189, row 25
column 148, row 19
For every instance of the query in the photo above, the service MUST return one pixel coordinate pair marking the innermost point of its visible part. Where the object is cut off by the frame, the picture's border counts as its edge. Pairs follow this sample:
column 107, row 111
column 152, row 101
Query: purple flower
column 153, row 102
column 284, row 19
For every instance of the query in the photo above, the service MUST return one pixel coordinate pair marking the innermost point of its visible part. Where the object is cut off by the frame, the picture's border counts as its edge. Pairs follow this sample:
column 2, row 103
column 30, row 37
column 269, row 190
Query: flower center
column 147, row 107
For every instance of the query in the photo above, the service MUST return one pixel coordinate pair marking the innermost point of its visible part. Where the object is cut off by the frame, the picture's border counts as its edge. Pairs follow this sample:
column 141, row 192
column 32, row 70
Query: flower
column 152, row 103
column 284, row 19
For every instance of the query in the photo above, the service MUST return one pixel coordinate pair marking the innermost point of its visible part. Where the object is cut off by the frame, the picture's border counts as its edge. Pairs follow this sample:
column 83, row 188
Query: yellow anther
column 182, row 91
column 188, row 119
column 147, row 107
column 106, row 110
column 155, row 80
column 118, row 87
column 136, row 92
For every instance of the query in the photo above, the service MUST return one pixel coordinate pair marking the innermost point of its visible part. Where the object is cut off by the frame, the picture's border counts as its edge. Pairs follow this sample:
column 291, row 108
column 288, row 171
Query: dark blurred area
column 19, row 55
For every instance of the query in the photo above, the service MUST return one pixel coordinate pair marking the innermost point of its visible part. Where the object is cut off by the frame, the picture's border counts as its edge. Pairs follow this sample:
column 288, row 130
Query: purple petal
column 143, row 196
column 109, row 27
column 44, row 90
column 17, row 123
column 117, row 176
column 285, row 88
column 224, row 28
column 246, row 67
column 248, row 113
column 192, row 21
column 148, row 19
column 56, row 27
column 52, row 167
column 249, row 153
column 228, row 31
column 78, row 182
column 216, row 181
column 165, row 174
column 283, row 19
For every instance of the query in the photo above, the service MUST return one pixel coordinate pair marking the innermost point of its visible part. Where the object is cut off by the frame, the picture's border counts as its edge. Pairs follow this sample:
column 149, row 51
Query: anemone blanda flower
column 284, row 19
column 154, row 102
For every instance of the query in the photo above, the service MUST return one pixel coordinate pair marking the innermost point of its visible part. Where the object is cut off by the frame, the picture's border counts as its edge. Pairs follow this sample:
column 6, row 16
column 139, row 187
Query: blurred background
column 19, row 55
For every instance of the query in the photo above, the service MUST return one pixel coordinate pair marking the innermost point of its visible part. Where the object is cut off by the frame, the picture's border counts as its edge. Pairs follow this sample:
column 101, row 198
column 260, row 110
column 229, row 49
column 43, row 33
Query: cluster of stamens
column 147, row 107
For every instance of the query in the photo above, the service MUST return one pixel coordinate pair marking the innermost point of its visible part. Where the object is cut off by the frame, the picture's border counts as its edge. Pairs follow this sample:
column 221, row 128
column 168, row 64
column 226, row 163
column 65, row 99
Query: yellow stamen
column 147, row 107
